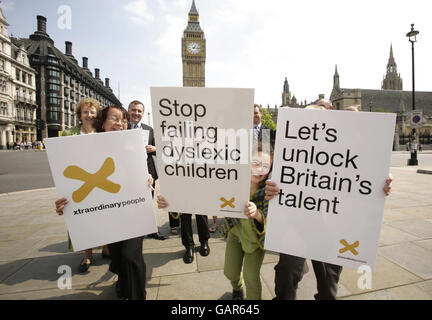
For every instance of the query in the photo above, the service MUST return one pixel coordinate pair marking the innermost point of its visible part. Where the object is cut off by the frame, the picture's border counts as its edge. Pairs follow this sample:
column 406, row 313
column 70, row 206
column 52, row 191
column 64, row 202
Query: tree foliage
column 266, row 119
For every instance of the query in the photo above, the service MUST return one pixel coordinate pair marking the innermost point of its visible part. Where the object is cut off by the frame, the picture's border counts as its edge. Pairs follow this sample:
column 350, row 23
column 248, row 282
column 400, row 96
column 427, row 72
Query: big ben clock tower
column 193, row 51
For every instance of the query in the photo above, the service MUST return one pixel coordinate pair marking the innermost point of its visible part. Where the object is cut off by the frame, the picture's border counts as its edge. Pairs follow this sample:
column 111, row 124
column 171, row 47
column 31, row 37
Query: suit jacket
column 272, row 134
column 150, row 162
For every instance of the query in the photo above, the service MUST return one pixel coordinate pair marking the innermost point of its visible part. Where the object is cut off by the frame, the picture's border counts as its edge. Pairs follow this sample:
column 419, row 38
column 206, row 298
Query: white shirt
column 136, row 125
column 257, row 128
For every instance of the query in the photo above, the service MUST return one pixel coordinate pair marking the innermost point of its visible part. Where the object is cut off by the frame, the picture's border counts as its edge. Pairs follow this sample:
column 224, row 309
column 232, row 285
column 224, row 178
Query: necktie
column 256, row 133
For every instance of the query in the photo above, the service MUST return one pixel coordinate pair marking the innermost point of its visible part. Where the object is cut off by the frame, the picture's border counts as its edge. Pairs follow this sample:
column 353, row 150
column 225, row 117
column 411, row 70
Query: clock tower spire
column 193, row 51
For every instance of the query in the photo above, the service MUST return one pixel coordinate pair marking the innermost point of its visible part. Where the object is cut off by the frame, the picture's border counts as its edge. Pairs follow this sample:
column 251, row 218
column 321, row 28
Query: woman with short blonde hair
column 88, row 111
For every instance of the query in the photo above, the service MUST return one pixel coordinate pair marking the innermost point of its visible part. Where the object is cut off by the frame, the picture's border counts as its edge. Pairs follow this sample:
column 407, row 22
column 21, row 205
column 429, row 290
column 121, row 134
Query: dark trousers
column 186, row 229
column 290, row 270
column 127, row 262
column 173, row 222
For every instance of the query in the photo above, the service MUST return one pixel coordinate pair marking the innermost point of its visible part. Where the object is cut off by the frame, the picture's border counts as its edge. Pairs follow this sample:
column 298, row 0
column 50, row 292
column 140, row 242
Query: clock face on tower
column 193, row 47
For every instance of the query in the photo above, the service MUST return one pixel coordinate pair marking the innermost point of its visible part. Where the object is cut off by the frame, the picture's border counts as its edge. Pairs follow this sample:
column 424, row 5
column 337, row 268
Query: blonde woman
column 87, row 111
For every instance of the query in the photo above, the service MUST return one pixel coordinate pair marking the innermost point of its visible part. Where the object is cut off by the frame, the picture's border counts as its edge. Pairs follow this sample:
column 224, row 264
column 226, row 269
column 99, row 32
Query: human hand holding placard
column 330, row 184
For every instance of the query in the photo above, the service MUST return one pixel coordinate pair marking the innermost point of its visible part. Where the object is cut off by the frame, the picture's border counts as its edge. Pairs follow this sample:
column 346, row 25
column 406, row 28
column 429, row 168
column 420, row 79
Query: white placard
column 104, row 176
column 331, row 167
column 200, row 171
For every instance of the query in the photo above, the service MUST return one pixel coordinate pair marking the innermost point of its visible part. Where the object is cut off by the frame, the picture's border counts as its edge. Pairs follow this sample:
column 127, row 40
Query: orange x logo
column 98, row 179
column 227, row 202
column 350, row 247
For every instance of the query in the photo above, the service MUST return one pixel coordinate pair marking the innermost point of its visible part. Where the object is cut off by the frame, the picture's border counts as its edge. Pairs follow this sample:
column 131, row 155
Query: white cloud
column 169, row 41
column 140, row 12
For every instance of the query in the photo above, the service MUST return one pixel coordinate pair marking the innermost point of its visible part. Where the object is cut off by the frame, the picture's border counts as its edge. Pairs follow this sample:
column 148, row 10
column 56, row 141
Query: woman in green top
column 245, row 237
column 87, row 111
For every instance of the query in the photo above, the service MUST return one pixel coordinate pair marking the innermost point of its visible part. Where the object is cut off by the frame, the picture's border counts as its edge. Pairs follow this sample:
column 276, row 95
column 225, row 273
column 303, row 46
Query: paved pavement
column 33, row 247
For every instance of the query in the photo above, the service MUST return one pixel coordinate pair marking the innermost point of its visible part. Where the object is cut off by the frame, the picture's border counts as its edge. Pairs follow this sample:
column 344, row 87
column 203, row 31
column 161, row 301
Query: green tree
column 266, row 119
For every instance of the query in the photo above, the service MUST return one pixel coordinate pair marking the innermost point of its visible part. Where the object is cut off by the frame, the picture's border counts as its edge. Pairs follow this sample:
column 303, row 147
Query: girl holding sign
column 245, row 244
column 245, row 237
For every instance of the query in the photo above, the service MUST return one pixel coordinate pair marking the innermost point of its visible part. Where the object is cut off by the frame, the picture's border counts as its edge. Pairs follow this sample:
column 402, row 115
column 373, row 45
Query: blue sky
column 250, row 43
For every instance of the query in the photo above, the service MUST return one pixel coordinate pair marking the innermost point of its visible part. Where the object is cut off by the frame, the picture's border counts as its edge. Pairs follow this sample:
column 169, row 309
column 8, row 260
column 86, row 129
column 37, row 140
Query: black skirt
column 127, row 262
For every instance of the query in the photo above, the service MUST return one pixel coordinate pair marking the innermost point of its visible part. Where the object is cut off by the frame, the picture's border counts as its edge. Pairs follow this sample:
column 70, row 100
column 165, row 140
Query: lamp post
column 412, row 37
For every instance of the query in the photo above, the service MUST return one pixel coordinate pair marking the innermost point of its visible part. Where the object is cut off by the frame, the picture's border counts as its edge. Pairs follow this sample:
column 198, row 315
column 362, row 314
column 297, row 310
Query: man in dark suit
column 136, row 112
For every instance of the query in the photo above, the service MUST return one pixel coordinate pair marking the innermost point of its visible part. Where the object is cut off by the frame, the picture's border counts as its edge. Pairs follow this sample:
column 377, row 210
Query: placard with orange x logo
column 350, row 247
column 91, row 181
column 226, row 202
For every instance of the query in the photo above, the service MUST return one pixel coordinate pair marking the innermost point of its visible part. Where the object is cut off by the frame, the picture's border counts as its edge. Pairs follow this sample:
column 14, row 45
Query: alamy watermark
column 364, row 282
column 65, row 280
column 64, row 22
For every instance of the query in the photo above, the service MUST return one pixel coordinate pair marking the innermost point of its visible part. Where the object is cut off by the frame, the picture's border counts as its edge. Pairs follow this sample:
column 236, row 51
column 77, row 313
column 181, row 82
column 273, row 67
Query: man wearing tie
column 259, row 127
column 136, row 112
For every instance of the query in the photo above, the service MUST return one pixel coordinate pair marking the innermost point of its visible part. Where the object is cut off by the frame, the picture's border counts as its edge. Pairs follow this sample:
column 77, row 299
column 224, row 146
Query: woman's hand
column 60, row 204
column 271, row 190
column 150, row 181
column 388, row 185
column 162, row 203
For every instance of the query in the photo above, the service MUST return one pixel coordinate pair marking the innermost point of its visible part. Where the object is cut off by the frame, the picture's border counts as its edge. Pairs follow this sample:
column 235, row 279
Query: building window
column 3, row 86
column 52, row 60
column 54, row 116
column 55, row 101
column 53, row 87
column 3, row 108
column 18, row 113
column 53, row 72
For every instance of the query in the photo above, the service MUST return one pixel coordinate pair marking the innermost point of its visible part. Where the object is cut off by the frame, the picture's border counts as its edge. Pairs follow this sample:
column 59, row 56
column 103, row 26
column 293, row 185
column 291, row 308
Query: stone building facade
column 391, row 98
column 17, row 91
column 61, row 83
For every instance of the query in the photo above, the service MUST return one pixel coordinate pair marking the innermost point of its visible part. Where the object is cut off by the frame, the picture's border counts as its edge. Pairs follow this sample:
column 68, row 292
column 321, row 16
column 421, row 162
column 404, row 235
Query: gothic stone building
column 193, row 51
column 391, row 98
column 61, row 83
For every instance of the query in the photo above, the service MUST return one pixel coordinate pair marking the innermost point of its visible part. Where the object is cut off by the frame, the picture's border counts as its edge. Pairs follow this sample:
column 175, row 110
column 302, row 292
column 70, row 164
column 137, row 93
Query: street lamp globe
column 412, row 35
